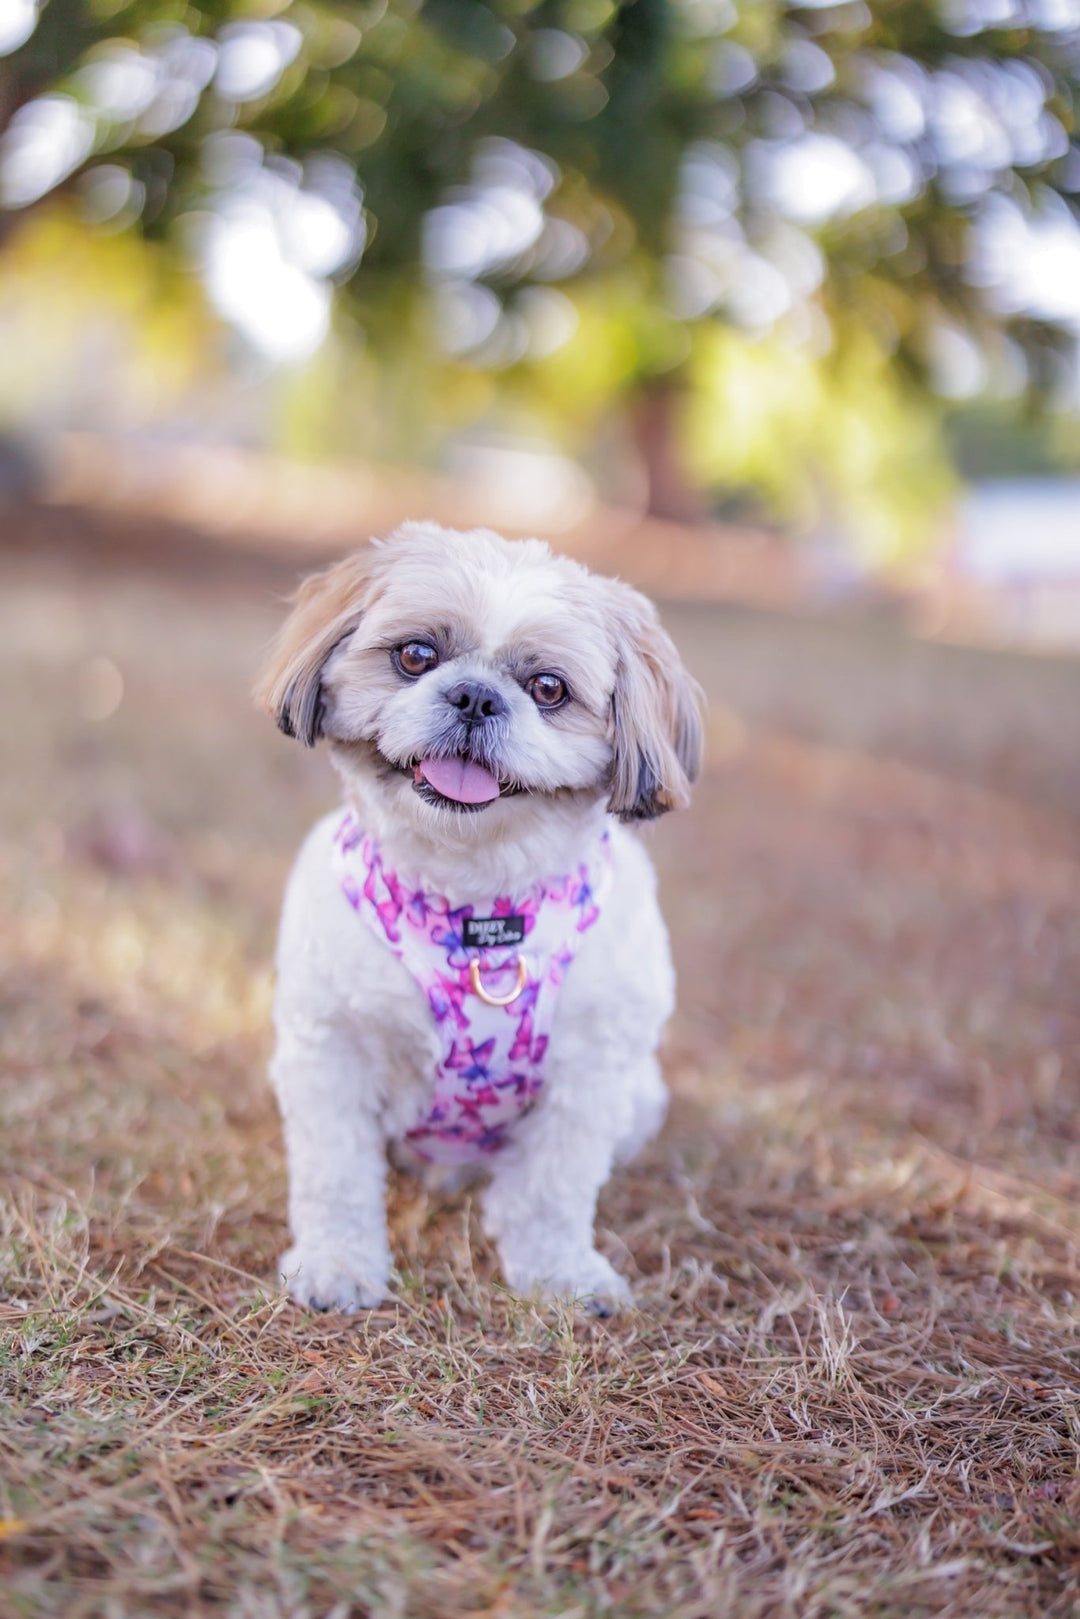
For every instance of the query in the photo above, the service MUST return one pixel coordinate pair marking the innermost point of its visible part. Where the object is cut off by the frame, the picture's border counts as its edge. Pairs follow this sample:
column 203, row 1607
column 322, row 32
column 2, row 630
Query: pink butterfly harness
column 492, row 983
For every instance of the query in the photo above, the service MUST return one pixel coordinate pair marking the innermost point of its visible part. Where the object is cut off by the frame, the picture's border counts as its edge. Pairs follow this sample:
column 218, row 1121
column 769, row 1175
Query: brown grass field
column 851, row 1386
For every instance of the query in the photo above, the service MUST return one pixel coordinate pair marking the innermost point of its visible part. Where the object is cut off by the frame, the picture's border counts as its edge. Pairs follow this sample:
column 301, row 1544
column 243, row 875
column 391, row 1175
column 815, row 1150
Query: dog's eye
column 547, row 691
column 414, row 658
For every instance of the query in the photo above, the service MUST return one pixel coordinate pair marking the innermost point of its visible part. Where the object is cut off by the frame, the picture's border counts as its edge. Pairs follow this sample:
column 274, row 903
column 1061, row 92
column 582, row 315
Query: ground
column 850, row 1385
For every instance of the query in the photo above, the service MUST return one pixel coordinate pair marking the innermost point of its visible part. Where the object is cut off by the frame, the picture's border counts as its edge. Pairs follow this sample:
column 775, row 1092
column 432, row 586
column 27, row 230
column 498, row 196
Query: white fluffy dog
column 472, row 966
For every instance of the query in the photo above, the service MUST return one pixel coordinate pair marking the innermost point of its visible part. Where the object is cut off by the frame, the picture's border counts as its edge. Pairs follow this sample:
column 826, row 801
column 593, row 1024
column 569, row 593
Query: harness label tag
column 489, row 932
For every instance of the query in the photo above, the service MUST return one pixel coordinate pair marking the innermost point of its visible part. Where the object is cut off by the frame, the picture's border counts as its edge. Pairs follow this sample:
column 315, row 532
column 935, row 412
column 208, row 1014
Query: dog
column 472, row 966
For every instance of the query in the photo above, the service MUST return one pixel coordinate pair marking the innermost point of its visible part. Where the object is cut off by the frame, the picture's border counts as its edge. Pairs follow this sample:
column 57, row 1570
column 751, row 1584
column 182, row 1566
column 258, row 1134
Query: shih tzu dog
column 472, row 966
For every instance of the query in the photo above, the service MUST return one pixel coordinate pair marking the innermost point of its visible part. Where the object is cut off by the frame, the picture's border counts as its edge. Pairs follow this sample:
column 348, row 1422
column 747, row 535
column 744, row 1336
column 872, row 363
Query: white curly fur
column 356, row 1044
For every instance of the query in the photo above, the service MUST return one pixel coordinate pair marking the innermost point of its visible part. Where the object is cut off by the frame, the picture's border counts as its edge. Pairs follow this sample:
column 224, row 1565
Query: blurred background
column 803, row 277
column 770, row 308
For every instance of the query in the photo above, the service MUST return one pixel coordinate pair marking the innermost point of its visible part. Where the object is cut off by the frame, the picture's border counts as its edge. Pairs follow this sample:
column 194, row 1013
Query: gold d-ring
column 496, row 1000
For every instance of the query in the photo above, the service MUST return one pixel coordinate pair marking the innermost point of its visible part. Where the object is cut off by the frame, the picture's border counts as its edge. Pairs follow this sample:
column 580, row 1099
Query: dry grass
column 851, row 1387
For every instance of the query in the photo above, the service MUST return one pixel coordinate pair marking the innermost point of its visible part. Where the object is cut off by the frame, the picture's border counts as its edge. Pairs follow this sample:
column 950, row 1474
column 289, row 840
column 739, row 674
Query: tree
column 485, row 175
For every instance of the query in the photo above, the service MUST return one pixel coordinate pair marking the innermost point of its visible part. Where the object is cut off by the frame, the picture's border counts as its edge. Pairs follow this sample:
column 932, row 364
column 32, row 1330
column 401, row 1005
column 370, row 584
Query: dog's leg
column 340, row 1258
column 541, row 1206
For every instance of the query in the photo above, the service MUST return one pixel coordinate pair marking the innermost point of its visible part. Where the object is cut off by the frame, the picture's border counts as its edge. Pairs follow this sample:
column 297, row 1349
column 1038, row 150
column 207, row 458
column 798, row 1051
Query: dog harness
column 492, row 983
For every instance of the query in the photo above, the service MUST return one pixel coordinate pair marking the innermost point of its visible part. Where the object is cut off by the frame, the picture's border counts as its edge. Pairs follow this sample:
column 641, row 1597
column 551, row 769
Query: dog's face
column 463, row 676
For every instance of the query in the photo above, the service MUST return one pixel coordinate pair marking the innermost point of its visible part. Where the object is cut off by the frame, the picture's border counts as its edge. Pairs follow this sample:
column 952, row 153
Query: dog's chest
column 491, row 981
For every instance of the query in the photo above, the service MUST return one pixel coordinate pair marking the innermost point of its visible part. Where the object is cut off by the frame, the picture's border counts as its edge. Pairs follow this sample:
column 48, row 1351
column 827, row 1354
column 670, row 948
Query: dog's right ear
column 327, row 609
column 655, row 714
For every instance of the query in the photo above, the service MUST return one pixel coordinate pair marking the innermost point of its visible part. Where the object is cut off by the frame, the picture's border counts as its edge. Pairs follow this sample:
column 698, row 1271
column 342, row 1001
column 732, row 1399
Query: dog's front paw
column 591, row 1282
column 326, row 1279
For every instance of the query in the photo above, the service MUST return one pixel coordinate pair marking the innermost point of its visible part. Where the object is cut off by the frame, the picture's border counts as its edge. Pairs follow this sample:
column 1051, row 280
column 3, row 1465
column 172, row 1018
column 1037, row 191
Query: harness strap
column 491, row 982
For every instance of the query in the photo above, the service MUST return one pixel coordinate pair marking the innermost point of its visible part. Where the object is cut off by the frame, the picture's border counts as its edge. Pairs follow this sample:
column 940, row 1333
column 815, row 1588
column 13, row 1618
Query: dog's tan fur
column 651, row 714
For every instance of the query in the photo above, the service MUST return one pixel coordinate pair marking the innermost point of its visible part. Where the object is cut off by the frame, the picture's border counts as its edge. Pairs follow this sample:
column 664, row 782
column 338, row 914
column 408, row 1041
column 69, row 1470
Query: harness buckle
column 477, row 987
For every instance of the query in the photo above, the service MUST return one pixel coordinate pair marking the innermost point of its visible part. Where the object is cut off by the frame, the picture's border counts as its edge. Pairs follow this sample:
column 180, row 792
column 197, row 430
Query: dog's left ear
column 655, row 715
column 328, row 607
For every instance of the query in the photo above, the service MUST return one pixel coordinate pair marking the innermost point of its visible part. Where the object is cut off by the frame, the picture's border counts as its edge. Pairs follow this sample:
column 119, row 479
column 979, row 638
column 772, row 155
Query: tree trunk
column 656, row 412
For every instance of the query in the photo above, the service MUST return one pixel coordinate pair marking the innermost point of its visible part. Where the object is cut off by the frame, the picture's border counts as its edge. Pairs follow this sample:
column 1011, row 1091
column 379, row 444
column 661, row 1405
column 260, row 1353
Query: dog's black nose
column 475, row 702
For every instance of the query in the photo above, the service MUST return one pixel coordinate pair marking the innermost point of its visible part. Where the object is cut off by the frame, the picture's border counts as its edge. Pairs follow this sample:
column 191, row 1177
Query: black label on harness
column 489, row 932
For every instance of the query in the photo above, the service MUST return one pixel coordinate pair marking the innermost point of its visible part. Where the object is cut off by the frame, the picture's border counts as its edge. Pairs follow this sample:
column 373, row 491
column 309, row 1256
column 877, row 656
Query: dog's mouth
column 457, row 783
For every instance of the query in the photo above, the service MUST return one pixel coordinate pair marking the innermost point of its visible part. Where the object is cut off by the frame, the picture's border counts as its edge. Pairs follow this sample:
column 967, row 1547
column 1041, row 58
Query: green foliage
column 68, row 299
column 1013, row 438
column 773, row 418
column 651, row 181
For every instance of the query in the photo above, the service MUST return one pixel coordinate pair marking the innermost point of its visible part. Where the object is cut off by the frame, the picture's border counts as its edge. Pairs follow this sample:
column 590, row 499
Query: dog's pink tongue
column 460, row 780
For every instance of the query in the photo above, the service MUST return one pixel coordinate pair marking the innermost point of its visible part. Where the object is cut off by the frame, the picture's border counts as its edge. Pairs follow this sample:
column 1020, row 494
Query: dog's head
column 462, row 675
